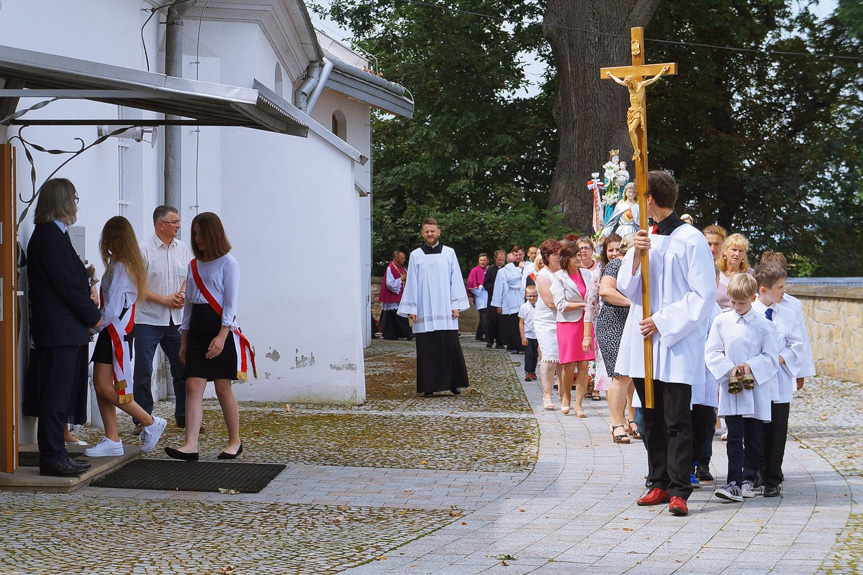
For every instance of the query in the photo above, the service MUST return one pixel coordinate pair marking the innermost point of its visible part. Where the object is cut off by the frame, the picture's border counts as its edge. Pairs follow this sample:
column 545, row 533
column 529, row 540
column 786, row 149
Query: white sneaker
column 747, row 490
column 731, row 492
column 105, row 448
column 150, row 434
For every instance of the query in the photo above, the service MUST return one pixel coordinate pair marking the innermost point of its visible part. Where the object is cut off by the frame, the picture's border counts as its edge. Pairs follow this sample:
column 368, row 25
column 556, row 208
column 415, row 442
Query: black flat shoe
column 427, row 394
column 177, row 454
column 226, row 455
column 85, row 465
column 455, row 391
column 63, row 468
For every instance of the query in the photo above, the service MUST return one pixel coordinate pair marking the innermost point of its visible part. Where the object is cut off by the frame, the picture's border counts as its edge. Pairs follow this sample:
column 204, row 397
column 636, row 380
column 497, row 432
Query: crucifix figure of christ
column 635, row 116
column 636, row 119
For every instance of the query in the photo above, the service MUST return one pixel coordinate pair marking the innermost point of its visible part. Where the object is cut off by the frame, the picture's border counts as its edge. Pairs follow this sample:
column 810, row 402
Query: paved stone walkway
column 468, row 494
column 576, row 513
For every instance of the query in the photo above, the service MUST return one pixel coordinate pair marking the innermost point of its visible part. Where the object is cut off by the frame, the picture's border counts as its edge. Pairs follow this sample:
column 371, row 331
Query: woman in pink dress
column 572, row 291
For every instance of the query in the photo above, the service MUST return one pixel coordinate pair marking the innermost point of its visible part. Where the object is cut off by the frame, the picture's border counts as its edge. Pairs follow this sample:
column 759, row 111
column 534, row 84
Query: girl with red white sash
column 206, row 350
column 122, row 284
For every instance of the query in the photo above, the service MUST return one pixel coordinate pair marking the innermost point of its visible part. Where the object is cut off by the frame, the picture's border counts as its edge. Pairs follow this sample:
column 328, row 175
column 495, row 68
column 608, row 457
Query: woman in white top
column 587, row 253
column 545, row 319
column 123, row 282
column 207, row 348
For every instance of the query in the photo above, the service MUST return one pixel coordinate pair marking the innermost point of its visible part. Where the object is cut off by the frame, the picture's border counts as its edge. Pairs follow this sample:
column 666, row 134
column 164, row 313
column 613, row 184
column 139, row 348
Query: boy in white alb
column 792, row 358
column 741, row 353
column 528, row 335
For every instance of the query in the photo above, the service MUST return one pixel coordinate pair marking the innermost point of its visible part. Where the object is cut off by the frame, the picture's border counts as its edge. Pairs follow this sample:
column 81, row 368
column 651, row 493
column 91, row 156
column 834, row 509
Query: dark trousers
column 703, row 423
column 513, row 335
column 394, row 326
column 482, row 326
column 531, row 353
column 147, row 338
column 775, row 434
column 667, row 434
column 493, row 334
column 56, row 369
column 745, row 435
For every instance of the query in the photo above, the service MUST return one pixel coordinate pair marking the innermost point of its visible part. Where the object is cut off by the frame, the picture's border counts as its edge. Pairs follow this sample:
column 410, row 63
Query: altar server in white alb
column 507, row 298
column 792, row 360
column 682, row 293
column 433, row 296
column 743, row 355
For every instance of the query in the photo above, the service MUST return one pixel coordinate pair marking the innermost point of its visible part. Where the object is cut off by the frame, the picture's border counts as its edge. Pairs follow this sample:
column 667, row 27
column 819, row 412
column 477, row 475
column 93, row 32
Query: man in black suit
column 61, row 313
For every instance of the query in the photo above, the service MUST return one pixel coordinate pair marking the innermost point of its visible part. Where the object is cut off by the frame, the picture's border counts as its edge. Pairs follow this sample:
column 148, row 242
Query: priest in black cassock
column 433, row 296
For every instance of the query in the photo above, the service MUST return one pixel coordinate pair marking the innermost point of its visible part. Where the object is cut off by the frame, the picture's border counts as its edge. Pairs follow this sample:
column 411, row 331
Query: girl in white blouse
column 122, row 284
column 208, row 348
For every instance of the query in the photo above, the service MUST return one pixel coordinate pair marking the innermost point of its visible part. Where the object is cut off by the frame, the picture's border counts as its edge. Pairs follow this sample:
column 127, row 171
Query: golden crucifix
column 636, row 121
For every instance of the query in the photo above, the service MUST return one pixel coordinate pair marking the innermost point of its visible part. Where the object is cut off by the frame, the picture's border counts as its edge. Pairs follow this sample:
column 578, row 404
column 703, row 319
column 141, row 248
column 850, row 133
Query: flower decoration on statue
column 608, row 195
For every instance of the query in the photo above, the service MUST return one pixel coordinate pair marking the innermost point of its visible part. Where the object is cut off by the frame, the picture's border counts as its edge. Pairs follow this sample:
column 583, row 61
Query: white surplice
column 789, row 341
column 434, row 288
column 507, row 289
column 707, row 392
column 749, row 339
column 792, row 303
column 682, row 295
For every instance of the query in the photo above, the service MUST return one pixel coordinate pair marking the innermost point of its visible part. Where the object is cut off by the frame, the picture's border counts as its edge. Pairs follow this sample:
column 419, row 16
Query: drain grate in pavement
column 31, row 458
column 165, row 475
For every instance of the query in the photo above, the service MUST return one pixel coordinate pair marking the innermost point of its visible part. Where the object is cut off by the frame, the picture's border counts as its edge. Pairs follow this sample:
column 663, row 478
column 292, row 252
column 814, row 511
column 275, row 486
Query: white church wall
column 357, row 118
column 107, row 31
column 290, row 212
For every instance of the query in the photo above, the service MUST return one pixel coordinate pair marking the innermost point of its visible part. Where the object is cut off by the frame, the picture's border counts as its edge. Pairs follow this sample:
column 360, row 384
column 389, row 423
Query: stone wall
column 834, row 318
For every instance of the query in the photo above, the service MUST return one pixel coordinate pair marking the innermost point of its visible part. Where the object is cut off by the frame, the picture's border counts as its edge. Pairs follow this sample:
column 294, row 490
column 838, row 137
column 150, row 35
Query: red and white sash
column 245, row 353
column 121, row 356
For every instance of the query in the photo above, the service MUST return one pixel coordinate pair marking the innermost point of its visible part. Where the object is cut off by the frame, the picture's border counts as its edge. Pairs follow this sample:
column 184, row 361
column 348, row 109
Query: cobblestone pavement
column 360, row 481
column 482, row 482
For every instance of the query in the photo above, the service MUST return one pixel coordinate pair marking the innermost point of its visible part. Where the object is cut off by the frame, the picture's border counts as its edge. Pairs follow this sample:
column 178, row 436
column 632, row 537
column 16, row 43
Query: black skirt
column 103, row 352
column 203, row 327
column 440, row 361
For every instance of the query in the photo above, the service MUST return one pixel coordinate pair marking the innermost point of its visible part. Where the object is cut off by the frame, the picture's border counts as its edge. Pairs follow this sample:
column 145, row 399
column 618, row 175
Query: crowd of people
column 728, row 343
column 194, row 322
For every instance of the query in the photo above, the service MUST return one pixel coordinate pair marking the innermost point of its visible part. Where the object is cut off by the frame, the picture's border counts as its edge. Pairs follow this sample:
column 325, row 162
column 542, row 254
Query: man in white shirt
column 158, row 318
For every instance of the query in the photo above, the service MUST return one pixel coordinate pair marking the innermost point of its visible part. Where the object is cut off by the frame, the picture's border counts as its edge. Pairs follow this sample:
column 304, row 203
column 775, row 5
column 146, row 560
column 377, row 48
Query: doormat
column 166, row 475
column 31, row 458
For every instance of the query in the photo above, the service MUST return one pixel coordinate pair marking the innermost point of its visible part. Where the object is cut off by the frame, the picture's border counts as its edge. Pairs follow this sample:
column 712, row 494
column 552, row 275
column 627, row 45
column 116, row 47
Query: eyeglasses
column 171, row 222
column 585, row 249
column 531, row 297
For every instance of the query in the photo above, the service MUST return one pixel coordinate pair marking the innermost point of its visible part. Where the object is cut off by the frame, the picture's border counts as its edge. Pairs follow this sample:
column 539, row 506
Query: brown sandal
column 634, row 432
column 622, row 438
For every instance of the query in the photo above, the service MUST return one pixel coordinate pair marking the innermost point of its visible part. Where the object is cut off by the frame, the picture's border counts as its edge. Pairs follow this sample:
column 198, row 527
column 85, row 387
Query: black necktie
column 769, row 313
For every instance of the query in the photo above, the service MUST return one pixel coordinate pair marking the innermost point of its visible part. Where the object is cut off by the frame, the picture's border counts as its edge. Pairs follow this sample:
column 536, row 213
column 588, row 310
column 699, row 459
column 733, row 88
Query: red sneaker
column 678, row 506
column 654, row 497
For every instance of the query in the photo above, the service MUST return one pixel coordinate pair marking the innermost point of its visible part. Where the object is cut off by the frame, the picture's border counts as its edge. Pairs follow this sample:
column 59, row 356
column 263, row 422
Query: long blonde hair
column 734, row 240
column 118, row 244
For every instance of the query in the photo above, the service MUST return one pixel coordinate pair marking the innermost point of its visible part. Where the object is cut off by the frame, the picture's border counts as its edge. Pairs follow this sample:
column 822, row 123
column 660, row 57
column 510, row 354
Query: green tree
column 475, row 155
column 766, row 145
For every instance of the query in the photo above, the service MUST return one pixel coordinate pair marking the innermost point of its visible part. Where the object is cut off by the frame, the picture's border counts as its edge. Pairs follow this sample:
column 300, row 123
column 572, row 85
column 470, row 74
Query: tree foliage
column 766, row 145
column 763, row 144
column 475, row 155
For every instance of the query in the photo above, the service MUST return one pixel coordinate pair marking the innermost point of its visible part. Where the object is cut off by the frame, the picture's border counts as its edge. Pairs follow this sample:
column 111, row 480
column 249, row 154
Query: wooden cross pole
column 636, row 122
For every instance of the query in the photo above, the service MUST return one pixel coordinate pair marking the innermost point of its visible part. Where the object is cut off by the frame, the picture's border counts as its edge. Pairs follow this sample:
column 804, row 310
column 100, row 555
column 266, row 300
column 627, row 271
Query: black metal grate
column 166, row 475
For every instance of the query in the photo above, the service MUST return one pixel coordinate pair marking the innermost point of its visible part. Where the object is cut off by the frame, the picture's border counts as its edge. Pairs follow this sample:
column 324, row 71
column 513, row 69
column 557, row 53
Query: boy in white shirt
column 528, row 335
column 792, row 358
column 741, row 353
